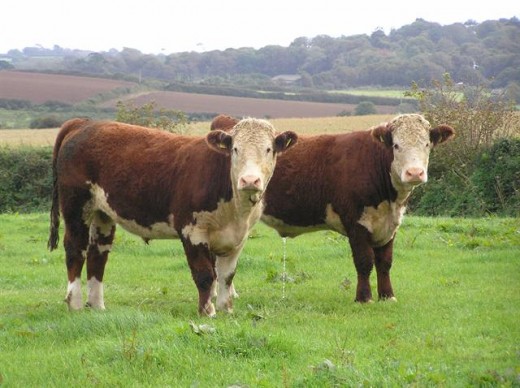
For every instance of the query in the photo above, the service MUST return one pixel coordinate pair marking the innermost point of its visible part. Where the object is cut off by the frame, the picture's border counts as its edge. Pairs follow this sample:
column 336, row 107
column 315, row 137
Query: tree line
column 473, row 53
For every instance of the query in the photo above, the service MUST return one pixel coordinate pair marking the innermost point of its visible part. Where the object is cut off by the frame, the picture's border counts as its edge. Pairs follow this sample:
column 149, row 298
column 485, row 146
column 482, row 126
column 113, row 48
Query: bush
column 497, row 177
column 45, row 122
column 460, row 181
column 148, row 115
column 365, row 108
column 25, row 179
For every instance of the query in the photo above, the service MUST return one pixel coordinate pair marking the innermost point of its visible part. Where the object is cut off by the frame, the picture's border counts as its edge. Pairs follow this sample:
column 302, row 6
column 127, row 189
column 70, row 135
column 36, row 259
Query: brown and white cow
column 356, row 184
column 204, row 190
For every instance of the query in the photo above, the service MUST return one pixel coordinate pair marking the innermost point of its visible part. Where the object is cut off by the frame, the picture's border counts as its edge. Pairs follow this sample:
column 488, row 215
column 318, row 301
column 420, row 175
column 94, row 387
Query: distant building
column 286, row 79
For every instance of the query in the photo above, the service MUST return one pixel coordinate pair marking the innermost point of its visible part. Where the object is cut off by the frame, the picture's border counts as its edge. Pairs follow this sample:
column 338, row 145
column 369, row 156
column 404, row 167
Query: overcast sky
column 166, row 26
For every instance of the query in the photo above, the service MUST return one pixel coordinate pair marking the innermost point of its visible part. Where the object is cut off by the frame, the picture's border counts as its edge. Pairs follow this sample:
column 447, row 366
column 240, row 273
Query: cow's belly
column 332, row 221
column 382, row 222
column 158, row 230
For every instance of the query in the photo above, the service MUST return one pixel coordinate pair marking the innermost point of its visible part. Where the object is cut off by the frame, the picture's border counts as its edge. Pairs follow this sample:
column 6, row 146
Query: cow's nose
column 415, row 175
column 250, row 182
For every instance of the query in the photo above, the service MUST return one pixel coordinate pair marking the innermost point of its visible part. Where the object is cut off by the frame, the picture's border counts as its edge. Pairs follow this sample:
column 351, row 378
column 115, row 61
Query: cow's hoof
column 74, row 304
column 392, row 299
column 367, row 301
column 208, row 310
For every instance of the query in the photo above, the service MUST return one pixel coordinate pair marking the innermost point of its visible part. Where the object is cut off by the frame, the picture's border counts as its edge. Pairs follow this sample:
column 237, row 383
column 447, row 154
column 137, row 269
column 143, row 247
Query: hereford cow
column 205, row 191
column 357, row 184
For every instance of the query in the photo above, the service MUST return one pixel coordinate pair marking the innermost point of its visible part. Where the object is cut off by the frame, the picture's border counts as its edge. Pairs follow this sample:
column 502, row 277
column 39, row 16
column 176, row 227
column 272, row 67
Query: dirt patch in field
column 39, row 88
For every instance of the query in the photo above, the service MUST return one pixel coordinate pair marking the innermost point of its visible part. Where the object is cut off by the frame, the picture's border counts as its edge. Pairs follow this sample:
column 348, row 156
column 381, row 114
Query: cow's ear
column 219, row 141
column 441, row 133
column 285, row 140
column 383, row 134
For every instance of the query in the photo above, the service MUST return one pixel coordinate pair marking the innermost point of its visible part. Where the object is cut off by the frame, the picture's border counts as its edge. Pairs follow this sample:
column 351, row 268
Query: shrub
column 497, row 177
column 148, row 115
column 45, row 122
column 25, row 179
column 365, row 108
column 481, row 118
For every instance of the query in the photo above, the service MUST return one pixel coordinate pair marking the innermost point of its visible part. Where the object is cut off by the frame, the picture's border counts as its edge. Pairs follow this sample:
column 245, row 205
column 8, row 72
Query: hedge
column 492, row 188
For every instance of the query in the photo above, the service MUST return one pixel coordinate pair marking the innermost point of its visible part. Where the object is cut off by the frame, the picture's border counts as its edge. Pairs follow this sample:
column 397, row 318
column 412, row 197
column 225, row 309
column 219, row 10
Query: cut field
column 455, row 324
column 46, row 137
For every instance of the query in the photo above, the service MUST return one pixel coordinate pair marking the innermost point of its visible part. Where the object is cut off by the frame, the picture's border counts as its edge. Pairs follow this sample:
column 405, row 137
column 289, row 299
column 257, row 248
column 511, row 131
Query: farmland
column 86, row 94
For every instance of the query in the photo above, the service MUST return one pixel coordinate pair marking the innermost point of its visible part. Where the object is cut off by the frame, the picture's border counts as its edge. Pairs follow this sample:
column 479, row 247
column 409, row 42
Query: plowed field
column 39, row 88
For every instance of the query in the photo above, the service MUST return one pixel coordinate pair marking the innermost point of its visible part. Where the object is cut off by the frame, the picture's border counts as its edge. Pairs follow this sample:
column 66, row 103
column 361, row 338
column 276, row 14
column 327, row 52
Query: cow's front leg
column 226, row 268
column 202, row 265
column 383, row 260
column 363, row 256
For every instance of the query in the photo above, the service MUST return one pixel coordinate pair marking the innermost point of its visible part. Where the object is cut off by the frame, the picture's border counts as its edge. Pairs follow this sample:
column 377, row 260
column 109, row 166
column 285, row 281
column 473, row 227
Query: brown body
column 160, row 185
column 356, row 184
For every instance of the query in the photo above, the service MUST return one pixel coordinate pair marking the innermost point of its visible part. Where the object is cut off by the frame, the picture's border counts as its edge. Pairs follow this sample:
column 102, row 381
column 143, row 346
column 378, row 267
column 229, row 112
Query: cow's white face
column 253, row 147
column 411, row 138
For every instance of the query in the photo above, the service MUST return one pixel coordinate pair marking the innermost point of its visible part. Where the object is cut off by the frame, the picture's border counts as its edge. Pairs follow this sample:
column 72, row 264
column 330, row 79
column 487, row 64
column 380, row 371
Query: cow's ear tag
column 289, row 141
column 382, row 139
column 222, row 145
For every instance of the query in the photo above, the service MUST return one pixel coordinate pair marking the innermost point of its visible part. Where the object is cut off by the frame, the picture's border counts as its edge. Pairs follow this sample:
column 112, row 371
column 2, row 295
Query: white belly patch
column 382, row 221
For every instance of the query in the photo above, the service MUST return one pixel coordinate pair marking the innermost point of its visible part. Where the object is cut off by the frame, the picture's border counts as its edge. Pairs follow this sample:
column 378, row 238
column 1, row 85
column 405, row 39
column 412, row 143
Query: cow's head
column 253, row 147
column 411, row 137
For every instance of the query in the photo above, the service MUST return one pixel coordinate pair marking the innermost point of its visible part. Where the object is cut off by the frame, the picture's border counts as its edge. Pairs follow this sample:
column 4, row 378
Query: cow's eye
column 235, row 150
column 396, row 146
column 268, row 150
column 427, row 145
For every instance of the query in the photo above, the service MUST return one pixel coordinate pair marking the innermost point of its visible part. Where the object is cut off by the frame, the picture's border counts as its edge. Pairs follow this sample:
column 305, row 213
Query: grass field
column 455, row 323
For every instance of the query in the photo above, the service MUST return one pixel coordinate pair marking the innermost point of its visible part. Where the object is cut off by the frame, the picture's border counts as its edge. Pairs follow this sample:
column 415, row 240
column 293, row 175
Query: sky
column 168, row 26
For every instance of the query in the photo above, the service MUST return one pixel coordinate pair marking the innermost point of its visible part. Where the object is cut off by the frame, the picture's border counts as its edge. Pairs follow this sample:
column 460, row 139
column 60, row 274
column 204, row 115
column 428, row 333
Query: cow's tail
column 66, row 128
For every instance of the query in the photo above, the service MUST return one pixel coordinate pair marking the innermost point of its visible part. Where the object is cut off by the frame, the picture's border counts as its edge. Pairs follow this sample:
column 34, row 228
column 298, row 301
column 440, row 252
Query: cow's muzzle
column 250, row 183
column 415, row 175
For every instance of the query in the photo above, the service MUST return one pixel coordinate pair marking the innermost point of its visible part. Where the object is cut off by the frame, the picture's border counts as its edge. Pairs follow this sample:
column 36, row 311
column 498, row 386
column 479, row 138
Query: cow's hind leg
column 102, row 230
column 202, row 265
column 383, row 260
column 75, row 241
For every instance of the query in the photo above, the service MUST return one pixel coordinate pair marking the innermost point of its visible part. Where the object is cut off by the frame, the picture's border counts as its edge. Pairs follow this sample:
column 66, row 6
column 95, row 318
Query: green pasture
column 380, row 92
column 456, row 322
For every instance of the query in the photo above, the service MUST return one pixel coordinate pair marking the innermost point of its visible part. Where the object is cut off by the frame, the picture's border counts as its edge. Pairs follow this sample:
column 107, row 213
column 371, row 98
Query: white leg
column 73, row 297
column 95, row 294
column 225, row 267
